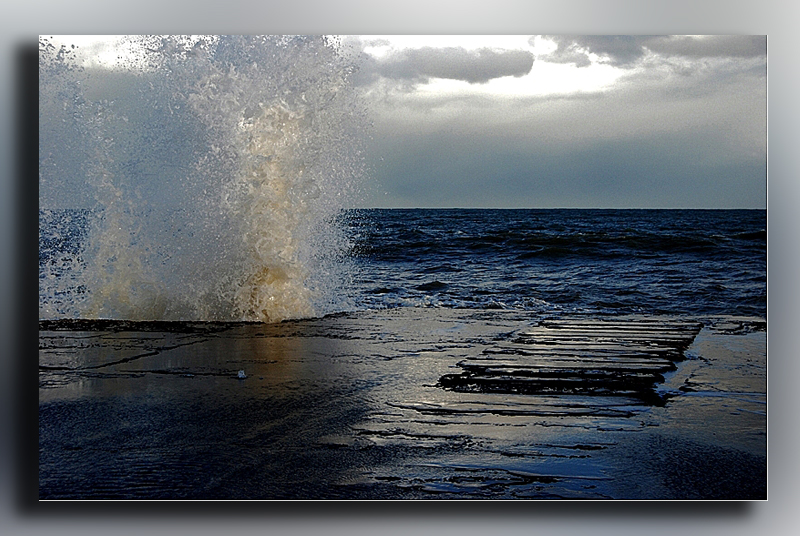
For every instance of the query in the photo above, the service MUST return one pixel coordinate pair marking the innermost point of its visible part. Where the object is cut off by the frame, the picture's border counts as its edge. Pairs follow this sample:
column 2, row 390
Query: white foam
column 216, row 172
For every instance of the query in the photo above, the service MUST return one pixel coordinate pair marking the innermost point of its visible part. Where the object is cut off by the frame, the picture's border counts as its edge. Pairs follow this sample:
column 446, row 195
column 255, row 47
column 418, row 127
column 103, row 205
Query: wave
column 211, row 172
column 537, row 234
column 551, row 261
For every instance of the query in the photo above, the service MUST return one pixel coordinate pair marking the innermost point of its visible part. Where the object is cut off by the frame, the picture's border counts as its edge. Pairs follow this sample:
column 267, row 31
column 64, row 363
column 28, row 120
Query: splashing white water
column 216, row 169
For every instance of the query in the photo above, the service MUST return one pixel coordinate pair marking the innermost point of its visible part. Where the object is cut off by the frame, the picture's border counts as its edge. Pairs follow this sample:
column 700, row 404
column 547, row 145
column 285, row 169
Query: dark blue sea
column 684, row 262
column 695, row 262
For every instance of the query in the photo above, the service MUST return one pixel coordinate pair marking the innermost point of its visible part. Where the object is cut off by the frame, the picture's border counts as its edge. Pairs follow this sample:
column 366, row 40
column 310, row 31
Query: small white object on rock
column 242, row 375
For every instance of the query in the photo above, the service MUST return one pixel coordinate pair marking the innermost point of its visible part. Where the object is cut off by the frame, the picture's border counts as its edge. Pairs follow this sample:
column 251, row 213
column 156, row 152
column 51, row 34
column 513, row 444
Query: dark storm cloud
column 474, row 66
column 625, row 50
column 620, row 49
column 733, row 46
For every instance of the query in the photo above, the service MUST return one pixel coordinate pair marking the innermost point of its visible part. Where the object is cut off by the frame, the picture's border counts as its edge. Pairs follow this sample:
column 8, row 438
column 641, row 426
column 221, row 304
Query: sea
column 548, row 261
column 697, row 262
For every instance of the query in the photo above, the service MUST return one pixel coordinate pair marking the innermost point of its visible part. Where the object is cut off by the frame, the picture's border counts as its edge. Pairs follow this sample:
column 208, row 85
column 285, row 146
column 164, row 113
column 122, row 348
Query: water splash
column 213, row 168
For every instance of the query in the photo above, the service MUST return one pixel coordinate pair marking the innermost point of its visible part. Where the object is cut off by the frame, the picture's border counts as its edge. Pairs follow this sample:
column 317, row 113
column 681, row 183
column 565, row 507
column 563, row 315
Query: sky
column 558, row 121
column 567, row 121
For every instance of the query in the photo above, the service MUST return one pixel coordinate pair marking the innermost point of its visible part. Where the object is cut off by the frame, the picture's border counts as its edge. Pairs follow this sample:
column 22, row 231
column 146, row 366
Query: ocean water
column 680, row 262
column 697, row 262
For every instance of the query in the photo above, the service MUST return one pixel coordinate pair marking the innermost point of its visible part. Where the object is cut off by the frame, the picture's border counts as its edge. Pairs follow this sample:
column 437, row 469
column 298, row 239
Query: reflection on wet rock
column 409, row 403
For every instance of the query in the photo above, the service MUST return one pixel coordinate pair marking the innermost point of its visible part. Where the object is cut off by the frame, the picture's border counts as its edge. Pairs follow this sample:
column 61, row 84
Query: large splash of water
column 213, row 170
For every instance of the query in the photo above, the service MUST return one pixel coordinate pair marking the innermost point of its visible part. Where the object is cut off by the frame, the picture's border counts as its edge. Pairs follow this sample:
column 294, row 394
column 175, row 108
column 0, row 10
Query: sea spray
column 213, row 169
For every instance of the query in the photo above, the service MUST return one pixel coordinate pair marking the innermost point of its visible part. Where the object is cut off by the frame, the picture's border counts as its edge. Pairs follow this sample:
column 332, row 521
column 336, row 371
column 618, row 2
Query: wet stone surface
column 623, row 356
column 411, row 403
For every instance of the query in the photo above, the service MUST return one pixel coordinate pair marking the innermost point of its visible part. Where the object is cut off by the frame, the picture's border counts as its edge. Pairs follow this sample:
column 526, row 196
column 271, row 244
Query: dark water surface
column 606, row 261
column 697, row 262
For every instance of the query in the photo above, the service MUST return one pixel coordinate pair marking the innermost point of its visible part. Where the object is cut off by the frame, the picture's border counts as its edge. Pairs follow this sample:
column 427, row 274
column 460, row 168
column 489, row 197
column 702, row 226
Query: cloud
column 621, row 50
column 733, row 46
column 625, row 50
column 419, row 65
column 683, row 123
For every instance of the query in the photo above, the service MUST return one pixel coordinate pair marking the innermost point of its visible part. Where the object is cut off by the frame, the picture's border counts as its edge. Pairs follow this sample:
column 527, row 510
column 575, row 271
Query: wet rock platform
column 409, row 403
column 624, row 356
